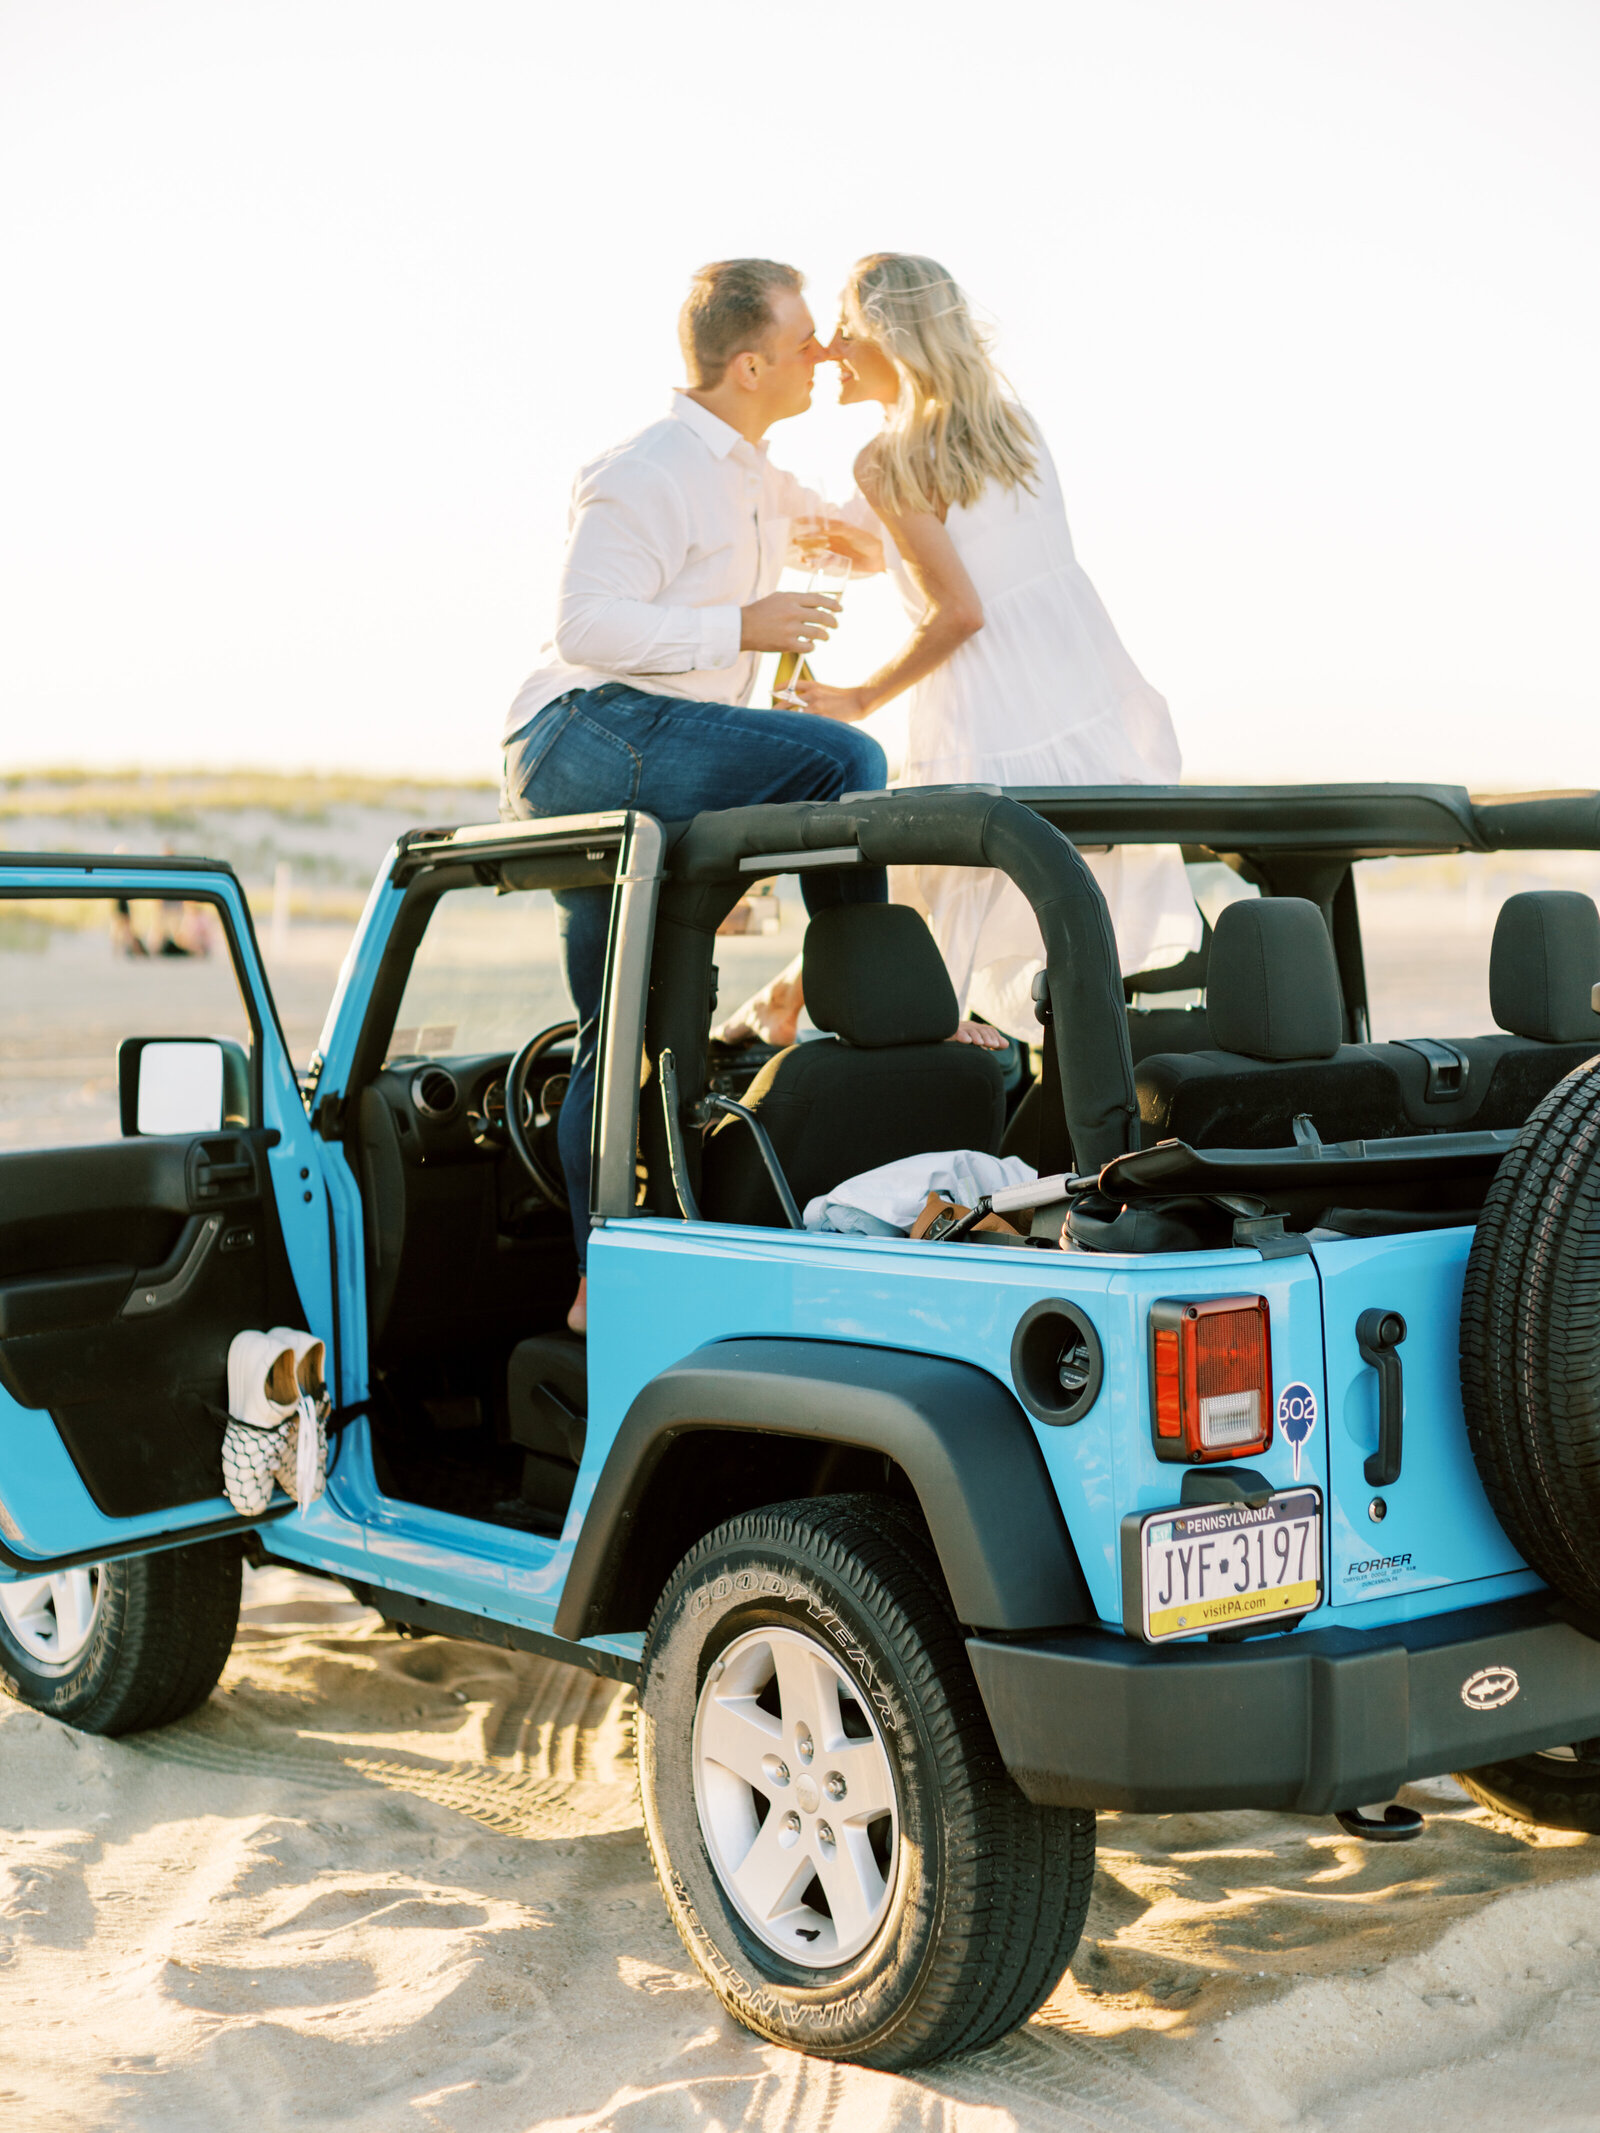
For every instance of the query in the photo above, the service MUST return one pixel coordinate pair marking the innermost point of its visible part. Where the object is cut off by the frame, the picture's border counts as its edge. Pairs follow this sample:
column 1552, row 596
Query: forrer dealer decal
column 1385, row 1567
column 1297, row 1418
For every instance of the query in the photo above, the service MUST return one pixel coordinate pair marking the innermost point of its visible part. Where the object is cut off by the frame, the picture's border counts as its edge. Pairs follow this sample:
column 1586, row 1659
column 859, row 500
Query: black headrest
column 874, row 977
column 1272, row 985
column 1543, row 965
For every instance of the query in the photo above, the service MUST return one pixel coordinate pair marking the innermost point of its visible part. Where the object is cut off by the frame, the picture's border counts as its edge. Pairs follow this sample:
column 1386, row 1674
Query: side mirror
column 181, row 1084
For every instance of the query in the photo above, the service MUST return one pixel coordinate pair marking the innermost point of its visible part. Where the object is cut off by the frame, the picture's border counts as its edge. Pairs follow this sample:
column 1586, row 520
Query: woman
column 1016, row 674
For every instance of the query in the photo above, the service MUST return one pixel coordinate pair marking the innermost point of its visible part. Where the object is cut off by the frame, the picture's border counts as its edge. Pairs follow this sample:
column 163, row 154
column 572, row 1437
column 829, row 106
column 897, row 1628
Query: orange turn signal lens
column 1168, row 1399
column 1210, row 1378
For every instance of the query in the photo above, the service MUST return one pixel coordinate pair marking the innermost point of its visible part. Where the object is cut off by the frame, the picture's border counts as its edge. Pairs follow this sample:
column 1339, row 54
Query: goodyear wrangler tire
column 1530, row 1340
column 839, row 1845
column 150, row 1637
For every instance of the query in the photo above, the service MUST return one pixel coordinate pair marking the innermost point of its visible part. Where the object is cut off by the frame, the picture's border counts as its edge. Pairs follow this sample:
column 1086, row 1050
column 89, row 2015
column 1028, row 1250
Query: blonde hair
column 952, row 431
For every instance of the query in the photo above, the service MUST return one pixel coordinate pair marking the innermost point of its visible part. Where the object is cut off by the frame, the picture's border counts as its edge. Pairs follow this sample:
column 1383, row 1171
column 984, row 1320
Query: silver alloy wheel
column 796, row 1799
column 52, row 1619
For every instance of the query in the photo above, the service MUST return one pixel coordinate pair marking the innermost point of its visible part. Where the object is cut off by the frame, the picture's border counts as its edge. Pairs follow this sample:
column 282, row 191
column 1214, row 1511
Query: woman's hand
column 983, row 1034
column 846, row 705
column 811, row 536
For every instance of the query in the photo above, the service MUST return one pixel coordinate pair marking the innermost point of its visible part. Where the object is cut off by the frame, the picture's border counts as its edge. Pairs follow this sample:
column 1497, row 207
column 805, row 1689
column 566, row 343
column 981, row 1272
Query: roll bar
column 709, row 868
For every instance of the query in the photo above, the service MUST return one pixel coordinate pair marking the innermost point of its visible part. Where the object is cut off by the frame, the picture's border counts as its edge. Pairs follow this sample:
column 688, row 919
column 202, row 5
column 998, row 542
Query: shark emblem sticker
column 1489, row 1688
column 1297, row 1418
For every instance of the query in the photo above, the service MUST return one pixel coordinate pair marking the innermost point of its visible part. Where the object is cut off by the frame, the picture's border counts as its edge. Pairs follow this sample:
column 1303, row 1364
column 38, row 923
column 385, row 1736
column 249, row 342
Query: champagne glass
column 826, row 567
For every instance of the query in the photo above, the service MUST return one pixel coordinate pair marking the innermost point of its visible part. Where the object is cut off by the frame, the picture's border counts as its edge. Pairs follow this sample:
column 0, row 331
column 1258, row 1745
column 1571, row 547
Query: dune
column 377, row 1883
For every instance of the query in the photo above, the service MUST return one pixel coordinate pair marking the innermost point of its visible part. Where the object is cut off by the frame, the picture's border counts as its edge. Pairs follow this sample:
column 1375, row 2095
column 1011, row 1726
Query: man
column 676, row 540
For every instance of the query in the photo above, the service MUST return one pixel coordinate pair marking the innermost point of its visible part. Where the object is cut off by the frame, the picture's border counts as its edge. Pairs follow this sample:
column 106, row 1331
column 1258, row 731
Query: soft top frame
column 1344, row 821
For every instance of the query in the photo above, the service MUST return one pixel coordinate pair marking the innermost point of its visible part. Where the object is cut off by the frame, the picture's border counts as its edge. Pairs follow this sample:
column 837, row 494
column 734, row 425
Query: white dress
column 1044, row 694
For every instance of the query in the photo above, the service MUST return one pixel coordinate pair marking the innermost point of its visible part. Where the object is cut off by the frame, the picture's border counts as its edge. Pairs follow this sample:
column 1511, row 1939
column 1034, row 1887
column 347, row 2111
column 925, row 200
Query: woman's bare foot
column 578, row 1316
column 771, row 1016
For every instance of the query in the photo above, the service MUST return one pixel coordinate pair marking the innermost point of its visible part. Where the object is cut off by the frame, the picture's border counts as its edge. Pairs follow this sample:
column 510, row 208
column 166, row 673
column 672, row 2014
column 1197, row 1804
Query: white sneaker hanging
column 263, row 1414
column 303, row 1468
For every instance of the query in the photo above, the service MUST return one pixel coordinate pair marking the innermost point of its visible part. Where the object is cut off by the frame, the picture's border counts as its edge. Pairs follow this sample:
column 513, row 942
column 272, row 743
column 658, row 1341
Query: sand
column 378, row 1883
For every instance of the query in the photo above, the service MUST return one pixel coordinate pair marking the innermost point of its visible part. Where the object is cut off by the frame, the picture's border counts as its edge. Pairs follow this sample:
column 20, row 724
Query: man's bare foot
column 771, row 1016
column 983, row 1034
column 578, row 1316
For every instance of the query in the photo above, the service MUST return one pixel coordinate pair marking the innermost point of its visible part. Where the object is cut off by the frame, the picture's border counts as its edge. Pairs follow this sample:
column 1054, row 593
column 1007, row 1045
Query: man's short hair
column 728, row 310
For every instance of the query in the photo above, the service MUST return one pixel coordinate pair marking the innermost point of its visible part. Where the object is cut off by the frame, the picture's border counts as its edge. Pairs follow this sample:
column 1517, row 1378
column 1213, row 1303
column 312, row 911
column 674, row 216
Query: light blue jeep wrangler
column 1277, row 1486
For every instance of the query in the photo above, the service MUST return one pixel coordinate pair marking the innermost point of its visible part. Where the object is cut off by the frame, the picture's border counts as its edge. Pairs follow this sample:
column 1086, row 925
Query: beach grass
column 179, row 798
column 331, row 829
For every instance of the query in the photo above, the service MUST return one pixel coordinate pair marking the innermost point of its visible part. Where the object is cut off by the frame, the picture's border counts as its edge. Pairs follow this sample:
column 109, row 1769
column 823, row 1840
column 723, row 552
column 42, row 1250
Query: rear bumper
column 1313, row 1721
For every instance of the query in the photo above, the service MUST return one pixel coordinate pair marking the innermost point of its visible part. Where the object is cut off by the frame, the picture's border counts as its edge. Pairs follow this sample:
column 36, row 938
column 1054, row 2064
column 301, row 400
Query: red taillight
column 1211, row 1378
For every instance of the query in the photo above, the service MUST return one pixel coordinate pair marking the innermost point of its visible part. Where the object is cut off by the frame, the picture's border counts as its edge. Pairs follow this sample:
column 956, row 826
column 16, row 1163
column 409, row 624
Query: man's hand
column 787, row 622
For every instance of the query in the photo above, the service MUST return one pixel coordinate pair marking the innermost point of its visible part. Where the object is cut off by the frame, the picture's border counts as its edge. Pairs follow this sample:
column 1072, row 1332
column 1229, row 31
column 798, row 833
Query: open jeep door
column 160, row 1190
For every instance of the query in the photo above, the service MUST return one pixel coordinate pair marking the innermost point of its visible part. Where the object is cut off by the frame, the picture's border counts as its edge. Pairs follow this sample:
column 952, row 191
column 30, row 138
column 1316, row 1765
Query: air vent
column 434, row 1092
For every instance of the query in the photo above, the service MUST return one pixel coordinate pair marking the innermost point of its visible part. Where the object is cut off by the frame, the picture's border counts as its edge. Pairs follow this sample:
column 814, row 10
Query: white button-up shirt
column 669, row 536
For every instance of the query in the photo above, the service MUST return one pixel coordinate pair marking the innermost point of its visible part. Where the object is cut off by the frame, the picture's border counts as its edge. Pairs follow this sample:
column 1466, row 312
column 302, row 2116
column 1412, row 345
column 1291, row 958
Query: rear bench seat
column 1276, row 1017
column 1543, row 964
column 1275, row 1013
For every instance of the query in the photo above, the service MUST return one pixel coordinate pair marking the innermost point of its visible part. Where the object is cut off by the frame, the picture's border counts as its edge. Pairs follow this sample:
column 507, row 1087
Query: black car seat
column 547, row 1401
column 884, row 1084
column 1276, row 1015
column 1167, row 1029
column 1150, row 1029
column 1543, row 965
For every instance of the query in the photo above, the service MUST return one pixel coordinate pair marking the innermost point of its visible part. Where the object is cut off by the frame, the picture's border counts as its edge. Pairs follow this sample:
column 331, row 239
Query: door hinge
column 328, row 1118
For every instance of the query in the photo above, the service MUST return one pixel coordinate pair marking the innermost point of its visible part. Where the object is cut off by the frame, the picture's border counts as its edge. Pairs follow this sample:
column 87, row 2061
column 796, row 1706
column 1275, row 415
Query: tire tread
column 1534, row 1789
column 166, row 1627
column 1530, row 1339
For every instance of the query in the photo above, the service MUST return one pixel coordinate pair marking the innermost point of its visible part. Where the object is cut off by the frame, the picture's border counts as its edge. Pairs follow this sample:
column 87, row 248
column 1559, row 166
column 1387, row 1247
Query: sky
column 313, row 310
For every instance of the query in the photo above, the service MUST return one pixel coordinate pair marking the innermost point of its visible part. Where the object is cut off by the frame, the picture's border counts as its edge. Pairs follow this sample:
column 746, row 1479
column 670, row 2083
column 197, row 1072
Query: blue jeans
column 618, row 746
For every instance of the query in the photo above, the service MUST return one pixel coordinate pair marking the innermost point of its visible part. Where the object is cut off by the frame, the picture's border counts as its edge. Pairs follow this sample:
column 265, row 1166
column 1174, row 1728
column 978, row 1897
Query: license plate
column 1211, row 1566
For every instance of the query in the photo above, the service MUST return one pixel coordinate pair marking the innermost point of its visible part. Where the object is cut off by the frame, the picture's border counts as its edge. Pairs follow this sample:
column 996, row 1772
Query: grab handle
column 764, row 1148
column 1378, row 1336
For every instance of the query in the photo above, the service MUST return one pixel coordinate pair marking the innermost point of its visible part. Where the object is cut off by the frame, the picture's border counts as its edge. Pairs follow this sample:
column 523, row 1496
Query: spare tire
column 1530, row 1340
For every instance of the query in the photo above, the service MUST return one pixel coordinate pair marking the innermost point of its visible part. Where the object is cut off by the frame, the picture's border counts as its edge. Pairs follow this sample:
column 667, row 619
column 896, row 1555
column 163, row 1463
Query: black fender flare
column 957, row 1433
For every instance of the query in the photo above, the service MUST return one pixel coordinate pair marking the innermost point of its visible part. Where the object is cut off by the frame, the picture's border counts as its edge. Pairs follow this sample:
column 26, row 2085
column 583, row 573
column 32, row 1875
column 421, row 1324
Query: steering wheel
column 525, row 1134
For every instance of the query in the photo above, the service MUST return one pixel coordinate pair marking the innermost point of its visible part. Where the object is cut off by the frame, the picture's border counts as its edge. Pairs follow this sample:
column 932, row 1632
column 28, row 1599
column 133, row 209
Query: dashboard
column 454, row 1110
column 457, row 1229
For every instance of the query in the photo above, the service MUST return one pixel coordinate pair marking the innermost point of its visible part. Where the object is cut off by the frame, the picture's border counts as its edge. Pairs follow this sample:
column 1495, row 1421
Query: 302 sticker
column 1297, row 1418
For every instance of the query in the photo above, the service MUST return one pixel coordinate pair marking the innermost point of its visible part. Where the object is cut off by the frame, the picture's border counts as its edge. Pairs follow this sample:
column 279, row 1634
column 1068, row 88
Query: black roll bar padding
column 1554, row 821
column 677, row 1155
column 975, row 829
column 1087, row 1005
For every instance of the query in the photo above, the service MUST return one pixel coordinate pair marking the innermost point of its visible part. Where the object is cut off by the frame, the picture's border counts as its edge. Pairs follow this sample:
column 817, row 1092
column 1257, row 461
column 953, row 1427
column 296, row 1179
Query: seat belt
column 1053, row 1146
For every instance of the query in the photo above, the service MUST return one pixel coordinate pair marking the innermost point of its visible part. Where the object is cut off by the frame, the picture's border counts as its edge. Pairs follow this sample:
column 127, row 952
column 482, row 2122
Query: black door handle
column 225, row 1173
column 221, row 1170
column 1378, row 1336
